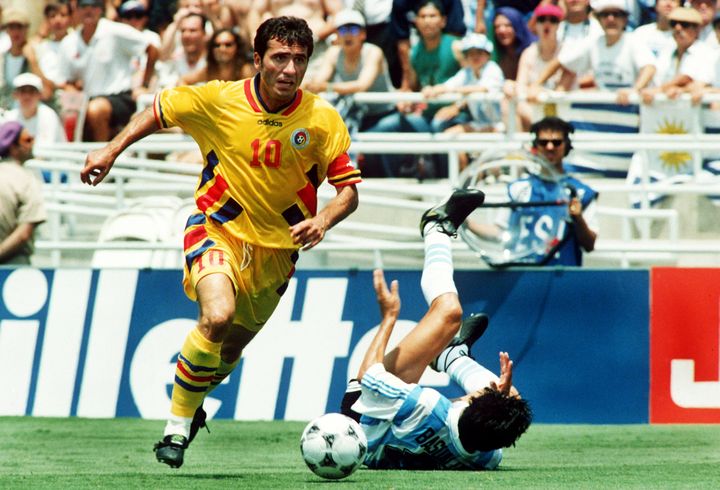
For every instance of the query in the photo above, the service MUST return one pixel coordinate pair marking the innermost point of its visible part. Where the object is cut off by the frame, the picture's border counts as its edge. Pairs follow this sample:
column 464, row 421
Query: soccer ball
column 333, row 446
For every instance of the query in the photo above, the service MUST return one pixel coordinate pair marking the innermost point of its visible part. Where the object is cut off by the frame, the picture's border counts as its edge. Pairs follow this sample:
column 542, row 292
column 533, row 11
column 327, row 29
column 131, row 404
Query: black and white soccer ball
column 333, row 446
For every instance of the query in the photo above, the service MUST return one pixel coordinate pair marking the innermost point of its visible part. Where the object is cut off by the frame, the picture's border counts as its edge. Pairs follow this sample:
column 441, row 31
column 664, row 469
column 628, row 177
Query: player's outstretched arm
column 99, row 162
column 310, row 232
column 389, row 302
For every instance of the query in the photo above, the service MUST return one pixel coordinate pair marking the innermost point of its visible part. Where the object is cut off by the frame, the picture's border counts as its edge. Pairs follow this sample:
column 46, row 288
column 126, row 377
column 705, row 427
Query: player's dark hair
column 287, row 30
column 553, row 123
column 493, row 420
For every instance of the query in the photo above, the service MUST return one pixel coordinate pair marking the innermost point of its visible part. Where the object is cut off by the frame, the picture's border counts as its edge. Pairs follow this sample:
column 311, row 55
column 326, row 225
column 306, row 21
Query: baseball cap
column 600, row 5
column 15, row 16
column 27, row 80
column 476, row 41
column 548, row 10
column 685, row 14
column 9, row 134
column 349, row 17
column 131, row 7
column 91, row 3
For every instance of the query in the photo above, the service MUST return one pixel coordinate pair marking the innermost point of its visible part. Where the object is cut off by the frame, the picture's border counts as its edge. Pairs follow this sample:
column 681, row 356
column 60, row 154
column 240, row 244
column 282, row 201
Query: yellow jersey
column 261, row 169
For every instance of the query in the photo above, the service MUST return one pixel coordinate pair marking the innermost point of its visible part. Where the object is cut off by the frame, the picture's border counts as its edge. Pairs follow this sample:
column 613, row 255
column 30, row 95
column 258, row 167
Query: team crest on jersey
column 300, row 138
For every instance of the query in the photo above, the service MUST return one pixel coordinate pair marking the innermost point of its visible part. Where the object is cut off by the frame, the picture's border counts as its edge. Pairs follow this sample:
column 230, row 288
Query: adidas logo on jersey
column 269, row 122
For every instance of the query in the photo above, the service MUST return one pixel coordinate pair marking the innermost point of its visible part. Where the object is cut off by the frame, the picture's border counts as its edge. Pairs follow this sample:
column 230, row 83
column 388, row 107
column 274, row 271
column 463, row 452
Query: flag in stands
column 668, row 167
column 600, row 118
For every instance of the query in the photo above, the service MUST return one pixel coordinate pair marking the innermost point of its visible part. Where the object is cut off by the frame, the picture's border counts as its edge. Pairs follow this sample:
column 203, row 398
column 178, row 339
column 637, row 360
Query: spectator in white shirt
column 135, row 14
column 57, row 20
column 578, row 23
column 20, row 57
column 98, row 57
column 686, row 63
column 707, row 9
column 658, row 35
column 480, row 75
column 617, row 63
column 190, row 56
column 535, row 59
column 41, row 121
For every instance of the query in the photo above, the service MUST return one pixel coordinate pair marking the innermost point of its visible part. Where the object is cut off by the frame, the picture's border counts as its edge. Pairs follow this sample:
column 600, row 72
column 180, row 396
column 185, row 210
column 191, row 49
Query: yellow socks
column 223, row 371
column 196, row 368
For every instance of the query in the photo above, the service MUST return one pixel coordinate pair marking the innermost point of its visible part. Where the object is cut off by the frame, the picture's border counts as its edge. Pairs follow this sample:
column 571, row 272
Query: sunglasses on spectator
column 349, row 29
column 545, row 142
column 618, row 14
column 548, row 18
column 229, row 44
column 682, row 23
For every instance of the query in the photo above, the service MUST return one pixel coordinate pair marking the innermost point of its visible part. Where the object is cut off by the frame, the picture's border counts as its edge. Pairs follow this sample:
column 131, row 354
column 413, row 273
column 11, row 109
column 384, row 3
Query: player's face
column 281, row 71
column 551, row 145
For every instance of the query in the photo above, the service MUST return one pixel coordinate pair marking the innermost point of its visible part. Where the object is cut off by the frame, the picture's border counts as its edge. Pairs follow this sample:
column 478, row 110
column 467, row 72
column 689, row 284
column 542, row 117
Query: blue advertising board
column 78, row 342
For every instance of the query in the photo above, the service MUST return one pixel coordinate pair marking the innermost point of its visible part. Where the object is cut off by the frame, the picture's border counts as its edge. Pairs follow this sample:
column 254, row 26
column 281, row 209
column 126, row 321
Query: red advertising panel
column 684, row 337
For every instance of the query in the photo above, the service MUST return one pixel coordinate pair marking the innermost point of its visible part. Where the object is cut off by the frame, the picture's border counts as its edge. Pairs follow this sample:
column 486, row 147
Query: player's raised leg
column 442, row 321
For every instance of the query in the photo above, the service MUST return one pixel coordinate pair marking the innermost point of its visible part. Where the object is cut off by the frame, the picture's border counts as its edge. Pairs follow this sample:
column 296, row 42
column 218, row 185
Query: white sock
column 449, row 355
column 470, row 375
column 178, row 425
column 437, row 276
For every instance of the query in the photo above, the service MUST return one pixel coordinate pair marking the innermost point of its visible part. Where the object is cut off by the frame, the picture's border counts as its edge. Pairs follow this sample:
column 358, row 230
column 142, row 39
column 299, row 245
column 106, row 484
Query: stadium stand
column 385, row 224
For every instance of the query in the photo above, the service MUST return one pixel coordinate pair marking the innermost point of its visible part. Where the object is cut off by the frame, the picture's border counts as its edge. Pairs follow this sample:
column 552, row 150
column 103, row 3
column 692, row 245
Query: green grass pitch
column 81, row 453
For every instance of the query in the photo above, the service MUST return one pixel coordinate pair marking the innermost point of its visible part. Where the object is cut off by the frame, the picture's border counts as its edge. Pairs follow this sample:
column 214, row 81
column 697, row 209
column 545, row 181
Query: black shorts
column 123, row 107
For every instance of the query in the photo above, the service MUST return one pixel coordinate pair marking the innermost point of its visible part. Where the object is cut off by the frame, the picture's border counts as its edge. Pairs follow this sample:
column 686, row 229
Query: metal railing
column 138, row 176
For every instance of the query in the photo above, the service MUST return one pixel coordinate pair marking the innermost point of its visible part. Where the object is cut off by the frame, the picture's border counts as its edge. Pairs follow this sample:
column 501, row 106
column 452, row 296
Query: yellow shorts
column 259, row 275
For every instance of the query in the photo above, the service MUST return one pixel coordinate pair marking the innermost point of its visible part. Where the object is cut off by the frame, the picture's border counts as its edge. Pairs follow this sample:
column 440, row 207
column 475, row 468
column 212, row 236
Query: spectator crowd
column 77, row 69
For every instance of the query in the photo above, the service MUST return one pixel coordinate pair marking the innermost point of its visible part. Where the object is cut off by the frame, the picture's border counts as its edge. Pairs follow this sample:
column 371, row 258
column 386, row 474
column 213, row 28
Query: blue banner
column 77, row 342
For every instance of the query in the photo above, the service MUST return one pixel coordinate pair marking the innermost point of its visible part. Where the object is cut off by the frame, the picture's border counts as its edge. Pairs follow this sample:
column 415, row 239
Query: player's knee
column 449, row 308
column 215, row 324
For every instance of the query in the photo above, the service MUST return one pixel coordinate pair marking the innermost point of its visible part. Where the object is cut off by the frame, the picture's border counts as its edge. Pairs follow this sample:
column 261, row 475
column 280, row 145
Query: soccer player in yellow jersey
column 267, row 147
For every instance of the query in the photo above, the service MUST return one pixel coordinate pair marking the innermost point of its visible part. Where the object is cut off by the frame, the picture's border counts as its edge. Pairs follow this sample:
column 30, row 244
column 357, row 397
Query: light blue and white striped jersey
column 412, row 427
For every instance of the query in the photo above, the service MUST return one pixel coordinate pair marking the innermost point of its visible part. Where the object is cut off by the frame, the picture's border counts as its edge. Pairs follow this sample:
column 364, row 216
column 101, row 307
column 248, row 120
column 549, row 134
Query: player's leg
column 198, row 360
column 440, row 324
column 469, row 374
column 472, row 328
column 235, row 341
